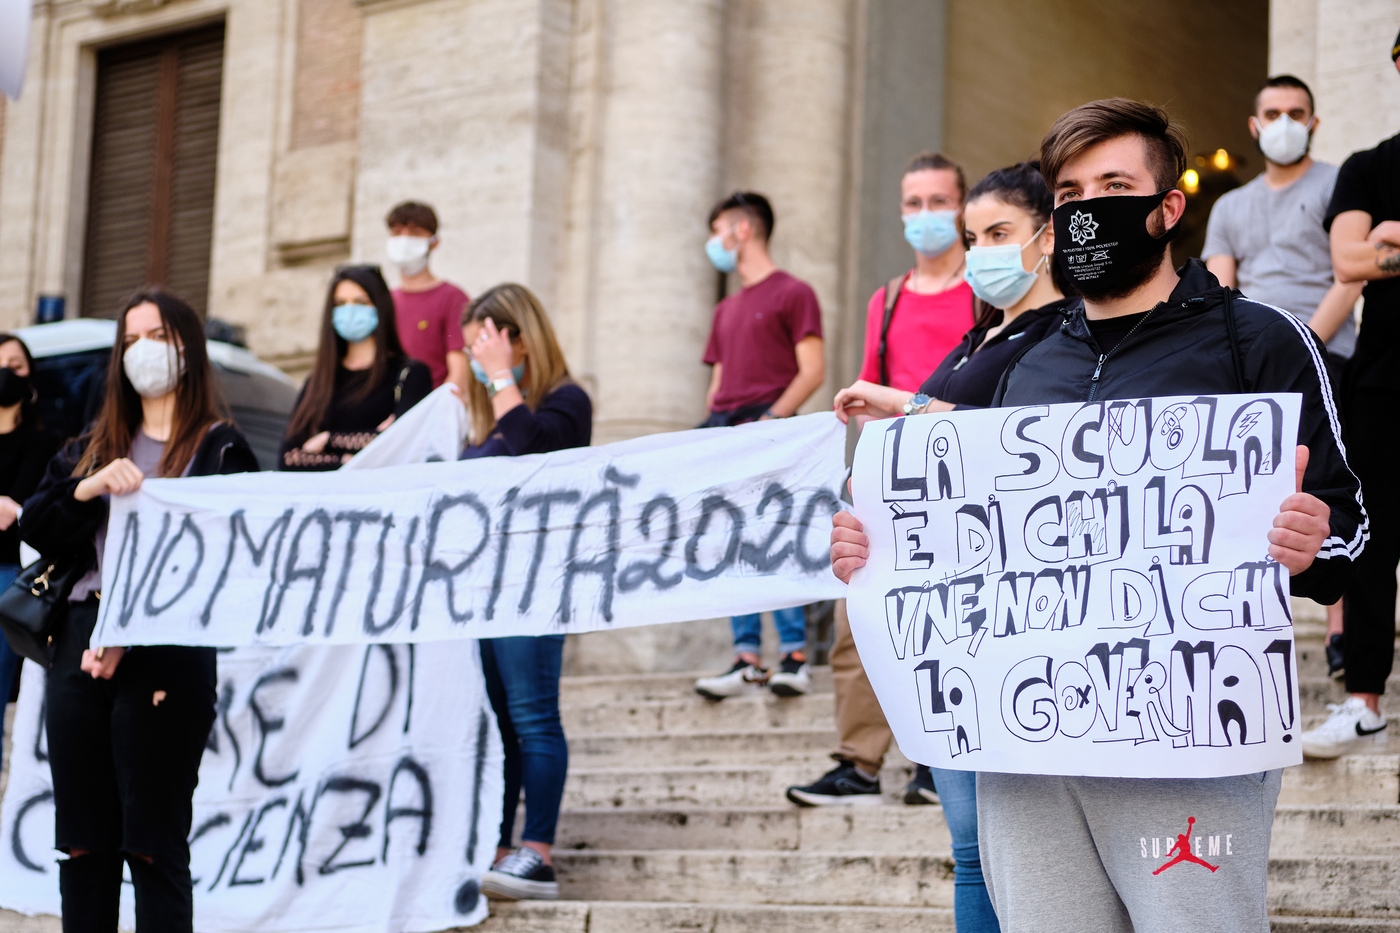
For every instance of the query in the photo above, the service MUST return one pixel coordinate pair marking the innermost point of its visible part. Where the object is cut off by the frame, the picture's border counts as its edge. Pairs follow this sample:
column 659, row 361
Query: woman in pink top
column 934, row 305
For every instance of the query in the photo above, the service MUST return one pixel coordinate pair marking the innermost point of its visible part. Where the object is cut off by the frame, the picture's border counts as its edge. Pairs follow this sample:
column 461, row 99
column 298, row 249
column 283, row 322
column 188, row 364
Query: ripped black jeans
column 124, row 771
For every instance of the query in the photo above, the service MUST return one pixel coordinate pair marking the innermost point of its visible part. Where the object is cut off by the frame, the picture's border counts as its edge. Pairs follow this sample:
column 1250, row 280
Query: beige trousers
column 861, row 730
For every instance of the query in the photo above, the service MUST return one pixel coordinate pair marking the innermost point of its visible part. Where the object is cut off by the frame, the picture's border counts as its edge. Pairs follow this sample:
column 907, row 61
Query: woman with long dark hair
column 25, row 449
column 523, row 402
column 1021, row 297
column 127, row 726
column 361, row 381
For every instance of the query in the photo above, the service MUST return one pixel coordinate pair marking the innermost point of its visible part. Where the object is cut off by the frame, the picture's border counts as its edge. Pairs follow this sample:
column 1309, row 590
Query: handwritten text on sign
column 667, row 528
column 351, row 788
column 1081, row 589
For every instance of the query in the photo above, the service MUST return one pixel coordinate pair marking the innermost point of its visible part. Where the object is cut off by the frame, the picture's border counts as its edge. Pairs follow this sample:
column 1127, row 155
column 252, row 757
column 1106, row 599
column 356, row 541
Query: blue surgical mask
column 483, row 377
column 931, row 233
column 997, row 275
column 722, row 259
column 354, row 322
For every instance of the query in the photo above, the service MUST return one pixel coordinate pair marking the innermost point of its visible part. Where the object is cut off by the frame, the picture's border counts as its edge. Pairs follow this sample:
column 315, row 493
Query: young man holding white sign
column 1149, row 854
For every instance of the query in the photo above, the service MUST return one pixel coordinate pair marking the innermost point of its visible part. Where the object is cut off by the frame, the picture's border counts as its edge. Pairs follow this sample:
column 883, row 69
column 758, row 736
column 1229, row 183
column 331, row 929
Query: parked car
column 71, row 370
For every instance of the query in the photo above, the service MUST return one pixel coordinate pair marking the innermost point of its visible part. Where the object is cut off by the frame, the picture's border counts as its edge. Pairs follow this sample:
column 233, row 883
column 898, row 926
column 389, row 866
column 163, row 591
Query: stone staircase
column 674, row 820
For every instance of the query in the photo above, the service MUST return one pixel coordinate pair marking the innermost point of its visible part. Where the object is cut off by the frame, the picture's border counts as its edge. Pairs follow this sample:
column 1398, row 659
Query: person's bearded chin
column 1140, row 271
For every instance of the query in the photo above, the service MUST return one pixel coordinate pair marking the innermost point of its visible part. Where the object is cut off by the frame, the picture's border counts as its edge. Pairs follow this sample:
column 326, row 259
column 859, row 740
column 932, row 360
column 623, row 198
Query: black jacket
column 969, row 375
column 59, row 526
column 1185, row 348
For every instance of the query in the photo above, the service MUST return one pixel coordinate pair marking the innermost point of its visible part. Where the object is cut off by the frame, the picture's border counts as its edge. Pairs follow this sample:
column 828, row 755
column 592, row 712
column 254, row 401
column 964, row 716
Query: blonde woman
column 523, row 402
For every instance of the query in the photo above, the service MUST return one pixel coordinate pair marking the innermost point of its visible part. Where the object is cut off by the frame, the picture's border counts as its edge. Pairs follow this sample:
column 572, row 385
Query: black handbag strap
column 892, row 290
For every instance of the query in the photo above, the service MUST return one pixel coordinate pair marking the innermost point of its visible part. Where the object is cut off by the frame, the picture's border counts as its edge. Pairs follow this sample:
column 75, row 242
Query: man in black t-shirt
column 1364, row 222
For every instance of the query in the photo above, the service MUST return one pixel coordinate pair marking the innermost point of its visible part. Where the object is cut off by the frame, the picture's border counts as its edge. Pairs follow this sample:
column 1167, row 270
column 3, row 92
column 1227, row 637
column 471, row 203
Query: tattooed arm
column 1361, row 253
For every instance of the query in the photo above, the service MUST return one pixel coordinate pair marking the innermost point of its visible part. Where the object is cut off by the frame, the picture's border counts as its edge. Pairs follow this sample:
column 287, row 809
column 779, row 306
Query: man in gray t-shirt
column 1267, row 237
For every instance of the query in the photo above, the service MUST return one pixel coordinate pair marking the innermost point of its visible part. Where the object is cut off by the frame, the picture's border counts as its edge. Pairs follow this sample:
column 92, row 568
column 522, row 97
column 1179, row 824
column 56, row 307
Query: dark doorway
column 155, row 136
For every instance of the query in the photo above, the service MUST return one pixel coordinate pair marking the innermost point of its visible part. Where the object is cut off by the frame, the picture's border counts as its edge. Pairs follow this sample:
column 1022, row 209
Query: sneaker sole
column 804, row 799
column 920, row 798
column 788, row 690
column 1351, row 746
column 507, row 888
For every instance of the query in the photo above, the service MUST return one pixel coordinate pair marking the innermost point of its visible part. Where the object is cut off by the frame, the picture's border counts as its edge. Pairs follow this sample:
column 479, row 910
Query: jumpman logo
column 1182, row 848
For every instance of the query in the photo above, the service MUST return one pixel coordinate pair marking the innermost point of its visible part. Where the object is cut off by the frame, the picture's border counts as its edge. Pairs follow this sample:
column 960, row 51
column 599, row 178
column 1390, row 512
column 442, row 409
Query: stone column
column 787, row 98
column 652, row 288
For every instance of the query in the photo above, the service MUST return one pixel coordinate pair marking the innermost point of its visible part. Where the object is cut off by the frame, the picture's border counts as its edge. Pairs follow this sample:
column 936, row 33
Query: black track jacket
column 1185, row 348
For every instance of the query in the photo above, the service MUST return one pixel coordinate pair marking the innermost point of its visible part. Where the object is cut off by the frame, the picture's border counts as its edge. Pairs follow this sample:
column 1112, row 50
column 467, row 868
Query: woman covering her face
column 127, row 726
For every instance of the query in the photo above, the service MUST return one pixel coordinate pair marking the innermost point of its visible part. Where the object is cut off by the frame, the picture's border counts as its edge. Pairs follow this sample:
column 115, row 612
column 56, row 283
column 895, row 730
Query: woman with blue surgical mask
column 361, row 380
column 1010, row 267
column 921, row 315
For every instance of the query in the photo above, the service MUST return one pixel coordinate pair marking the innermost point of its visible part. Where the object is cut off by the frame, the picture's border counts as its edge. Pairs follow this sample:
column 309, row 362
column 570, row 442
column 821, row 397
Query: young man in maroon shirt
column 428, row 310
column 765, row 350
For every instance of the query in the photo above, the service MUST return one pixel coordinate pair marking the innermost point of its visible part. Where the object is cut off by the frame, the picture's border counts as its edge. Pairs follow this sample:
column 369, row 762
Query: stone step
column 772, row 746
column 643, row 917
column 1372, row 778
column 1336, row 830
column 749, row 877
column 708, row 786
column 1312, row 658
column 1336, row 886
column 755, row 712
column 894, row 829
column 635, row 688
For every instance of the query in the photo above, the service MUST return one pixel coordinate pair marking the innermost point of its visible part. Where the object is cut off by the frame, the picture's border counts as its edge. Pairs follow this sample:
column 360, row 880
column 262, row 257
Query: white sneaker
column 743, row 677
column 1351, row 726
column 792, row 679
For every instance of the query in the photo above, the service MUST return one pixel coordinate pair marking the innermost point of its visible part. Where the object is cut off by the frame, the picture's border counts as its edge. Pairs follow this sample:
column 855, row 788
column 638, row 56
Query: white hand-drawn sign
column 666, row 528
column 1081, row 589
column 348, row 788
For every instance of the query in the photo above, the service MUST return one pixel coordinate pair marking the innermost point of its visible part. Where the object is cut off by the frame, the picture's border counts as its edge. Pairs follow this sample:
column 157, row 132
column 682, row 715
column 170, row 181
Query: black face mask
column 1102, row 244
column 13, row 387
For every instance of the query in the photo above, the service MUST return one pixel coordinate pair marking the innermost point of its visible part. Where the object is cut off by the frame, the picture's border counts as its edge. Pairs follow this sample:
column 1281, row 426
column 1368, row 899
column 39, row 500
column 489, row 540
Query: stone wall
column 1342, row 49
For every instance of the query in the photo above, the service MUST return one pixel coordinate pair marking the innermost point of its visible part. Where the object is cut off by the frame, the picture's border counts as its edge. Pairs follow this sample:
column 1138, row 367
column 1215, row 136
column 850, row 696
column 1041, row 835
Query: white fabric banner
column 1081, row 589
column 666, row 528
column 432, row 431
column 349, row 788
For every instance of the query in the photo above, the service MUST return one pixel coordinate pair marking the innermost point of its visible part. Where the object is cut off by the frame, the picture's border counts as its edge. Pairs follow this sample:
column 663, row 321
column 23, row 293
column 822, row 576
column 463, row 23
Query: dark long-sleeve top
column 353, row 420
column 563, row 419
column 968, row 376
column 61, row 528
column 24, row 453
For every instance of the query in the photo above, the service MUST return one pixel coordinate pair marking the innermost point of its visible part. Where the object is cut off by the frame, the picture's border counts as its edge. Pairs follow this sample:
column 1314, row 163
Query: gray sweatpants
column 1126, row 855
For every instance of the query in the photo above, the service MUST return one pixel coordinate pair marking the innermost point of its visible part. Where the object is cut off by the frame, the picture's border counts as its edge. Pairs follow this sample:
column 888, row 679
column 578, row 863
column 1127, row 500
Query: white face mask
column 409, row 253
column 1285, row 140
column 154, row 368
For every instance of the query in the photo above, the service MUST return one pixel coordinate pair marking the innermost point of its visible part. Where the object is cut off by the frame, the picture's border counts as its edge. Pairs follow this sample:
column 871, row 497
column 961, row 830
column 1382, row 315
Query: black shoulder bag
column 32, row 607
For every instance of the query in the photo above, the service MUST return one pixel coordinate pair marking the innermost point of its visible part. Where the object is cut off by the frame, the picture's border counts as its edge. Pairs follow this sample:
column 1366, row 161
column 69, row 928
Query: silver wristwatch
column 917, row 404
column 498, row 385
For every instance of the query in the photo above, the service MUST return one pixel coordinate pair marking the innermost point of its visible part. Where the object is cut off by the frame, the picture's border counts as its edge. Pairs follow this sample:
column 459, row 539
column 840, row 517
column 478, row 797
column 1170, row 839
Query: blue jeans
column 522, row 680
column 8, row 659
column 972, row 908
column 791, row 625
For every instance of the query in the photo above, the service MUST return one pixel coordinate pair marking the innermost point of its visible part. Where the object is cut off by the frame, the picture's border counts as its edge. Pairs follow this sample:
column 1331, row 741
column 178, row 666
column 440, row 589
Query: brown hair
column 754, row 205
column 515, row 309
column 1101, row 120
column 937, row 161
column 198, row 402
column 413, row 213
column 310, row 414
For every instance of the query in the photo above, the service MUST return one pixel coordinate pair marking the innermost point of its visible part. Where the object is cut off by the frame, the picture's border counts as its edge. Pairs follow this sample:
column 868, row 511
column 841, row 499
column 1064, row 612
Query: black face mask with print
column 13, row 387
column 1102, row 244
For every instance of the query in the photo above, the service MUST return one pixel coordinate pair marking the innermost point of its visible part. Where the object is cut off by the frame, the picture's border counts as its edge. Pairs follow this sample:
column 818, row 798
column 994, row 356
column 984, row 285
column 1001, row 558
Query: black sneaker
column 841, row 785
column 920, row 789
column 1336, row 662
column 522, row 875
